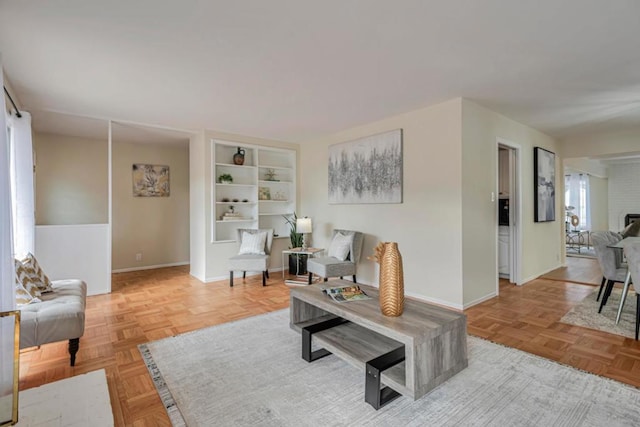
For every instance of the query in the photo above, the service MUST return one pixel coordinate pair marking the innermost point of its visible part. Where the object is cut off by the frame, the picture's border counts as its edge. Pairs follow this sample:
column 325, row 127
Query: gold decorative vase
column 391, row 279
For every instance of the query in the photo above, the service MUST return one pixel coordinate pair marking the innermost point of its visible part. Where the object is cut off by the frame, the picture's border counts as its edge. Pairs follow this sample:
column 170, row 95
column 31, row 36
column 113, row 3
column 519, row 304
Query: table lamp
column 303, row 226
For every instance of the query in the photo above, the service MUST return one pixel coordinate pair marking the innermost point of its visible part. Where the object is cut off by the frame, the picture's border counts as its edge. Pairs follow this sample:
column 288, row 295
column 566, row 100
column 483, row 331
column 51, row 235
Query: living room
column 446, row 224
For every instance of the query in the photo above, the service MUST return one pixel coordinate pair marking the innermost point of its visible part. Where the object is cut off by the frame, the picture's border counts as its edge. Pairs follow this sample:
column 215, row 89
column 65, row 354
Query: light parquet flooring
column 153, row 304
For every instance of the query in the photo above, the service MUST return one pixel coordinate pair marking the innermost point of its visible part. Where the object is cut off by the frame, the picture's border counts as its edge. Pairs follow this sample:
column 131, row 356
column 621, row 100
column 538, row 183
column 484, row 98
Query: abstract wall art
column 367, row 170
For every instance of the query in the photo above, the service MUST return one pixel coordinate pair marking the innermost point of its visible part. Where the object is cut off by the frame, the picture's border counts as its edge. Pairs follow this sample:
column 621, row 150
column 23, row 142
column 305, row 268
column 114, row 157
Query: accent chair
column 253, row 254
column 342, row 256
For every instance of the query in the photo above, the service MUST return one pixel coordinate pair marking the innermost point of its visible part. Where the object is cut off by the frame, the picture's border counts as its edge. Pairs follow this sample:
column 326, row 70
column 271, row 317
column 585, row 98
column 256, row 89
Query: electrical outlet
column 139, row 256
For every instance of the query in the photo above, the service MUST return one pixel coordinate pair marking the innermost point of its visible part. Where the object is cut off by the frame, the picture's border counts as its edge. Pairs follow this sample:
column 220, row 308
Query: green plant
column 296, row 238
column 225, row 177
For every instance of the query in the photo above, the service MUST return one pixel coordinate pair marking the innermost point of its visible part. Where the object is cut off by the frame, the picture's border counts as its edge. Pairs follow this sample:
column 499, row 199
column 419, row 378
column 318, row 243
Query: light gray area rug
column 586, row 314
column 250, row 373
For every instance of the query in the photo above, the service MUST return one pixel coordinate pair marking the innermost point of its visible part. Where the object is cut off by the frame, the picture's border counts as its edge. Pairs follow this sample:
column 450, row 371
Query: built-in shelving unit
column 262, row 193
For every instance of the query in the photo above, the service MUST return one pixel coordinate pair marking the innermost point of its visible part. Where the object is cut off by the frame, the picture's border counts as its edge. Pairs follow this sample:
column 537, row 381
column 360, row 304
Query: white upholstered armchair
column 254, row 253
column 342, row 256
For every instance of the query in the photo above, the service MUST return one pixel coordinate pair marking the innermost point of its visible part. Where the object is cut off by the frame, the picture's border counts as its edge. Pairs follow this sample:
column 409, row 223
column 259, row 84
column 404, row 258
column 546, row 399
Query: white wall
column 542, row 242
column 76, row 252
column 426, row 225
column 156, row 227
column 599, row 201
column 446, row 226
column 624, row 194
column 208, row 259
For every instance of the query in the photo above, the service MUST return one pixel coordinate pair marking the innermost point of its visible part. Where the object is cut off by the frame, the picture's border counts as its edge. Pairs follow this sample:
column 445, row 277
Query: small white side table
column 311, row 252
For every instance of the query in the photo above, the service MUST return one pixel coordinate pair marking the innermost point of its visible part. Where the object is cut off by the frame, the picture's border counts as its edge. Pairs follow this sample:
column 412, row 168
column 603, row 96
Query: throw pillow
column 340, row 246
column 42, row 281
column 253, row 243
column 22, row 296
column 25, row 281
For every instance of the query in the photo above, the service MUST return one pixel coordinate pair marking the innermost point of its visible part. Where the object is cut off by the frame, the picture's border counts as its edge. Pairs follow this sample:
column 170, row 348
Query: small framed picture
column 264, row 193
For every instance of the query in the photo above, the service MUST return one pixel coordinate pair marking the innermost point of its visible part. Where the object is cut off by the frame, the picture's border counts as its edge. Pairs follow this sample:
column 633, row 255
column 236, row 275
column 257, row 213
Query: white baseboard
column 479, row 300
column 149, row 267
column 226, row 276
column 528, row 279
column 436, row 301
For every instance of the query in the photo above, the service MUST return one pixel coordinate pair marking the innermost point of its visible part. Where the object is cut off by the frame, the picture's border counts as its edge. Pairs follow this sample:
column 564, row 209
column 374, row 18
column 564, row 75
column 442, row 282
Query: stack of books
column 231, row 216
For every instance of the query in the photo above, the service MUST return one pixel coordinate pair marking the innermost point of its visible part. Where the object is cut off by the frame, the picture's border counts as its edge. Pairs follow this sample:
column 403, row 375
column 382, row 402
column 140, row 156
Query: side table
column 311, row 252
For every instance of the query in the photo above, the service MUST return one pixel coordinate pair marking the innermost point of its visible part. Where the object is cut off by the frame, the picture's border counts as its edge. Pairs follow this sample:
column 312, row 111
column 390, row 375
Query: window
column 576, row 199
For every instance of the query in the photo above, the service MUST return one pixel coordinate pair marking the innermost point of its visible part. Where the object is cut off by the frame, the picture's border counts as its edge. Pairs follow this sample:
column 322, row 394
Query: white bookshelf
column 263, row 191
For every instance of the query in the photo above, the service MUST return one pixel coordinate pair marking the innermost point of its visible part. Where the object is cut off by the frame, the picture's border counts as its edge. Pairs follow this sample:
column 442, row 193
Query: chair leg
column 310, row 277
column 231, row 279
column 601, row 287
column 605, row 297
column 244, row 274
column 637, row 315
column 74, row 345
column 354, row 279
column 264, row 278
column 267, row 272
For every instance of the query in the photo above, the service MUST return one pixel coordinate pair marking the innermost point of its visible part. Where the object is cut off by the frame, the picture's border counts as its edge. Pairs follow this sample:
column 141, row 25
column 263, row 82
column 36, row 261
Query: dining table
column 627, row 281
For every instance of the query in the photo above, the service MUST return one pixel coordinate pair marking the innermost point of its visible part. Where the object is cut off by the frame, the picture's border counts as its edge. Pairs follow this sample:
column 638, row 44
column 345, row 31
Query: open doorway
column 509, row 213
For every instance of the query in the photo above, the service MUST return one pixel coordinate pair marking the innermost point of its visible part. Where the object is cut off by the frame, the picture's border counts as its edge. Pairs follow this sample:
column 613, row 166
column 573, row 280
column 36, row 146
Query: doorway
column 508, row 230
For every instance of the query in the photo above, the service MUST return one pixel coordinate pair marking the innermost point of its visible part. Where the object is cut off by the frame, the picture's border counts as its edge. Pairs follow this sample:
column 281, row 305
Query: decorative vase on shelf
column 391, row 278
column 238, row 158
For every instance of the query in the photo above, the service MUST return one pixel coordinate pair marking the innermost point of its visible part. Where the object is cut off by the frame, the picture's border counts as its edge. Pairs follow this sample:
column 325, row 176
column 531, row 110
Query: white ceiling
column 297, row 69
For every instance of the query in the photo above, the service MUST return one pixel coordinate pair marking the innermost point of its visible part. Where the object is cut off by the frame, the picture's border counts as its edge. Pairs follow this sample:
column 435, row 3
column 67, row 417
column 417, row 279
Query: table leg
column 625, row 289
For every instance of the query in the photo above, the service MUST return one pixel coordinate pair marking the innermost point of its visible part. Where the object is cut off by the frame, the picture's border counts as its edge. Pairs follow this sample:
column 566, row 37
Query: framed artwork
column 150, row 180
column 367, row 170
column 544, row 178
column 264, row 193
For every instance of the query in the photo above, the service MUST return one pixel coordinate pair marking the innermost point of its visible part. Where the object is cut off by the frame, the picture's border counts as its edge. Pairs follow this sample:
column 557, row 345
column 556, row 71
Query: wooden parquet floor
column 153, row 304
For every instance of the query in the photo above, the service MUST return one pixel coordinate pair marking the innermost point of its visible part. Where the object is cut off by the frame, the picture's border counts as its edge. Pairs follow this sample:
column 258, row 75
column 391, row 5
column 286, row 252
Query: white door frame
column 515, row 211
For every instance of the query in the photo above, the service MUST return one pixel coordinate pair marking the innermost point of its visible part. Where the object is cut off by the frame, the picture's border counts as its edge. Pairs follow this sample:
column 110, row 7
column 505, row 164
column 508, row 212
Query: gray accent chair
column 609, row 259
column 632, row 252
column 58, row 317
column 252, row 262
column 332, row 267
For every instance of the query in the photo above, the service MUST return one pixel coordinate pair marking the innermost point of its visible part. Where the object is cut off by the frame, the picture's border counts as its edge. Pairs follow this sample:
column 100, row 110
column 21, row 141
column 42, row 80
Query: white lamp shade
column 303, row 225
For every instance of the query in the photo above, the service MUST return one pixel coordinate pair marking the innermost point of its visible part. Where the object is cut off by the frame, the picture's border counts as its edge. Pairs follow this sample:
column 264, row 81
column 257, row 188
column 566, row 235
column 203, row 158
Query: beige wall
column 71, row 180
column 541, row 242
column 603, row 144
column 208, row 259
column 157, row 227
column 426, row 225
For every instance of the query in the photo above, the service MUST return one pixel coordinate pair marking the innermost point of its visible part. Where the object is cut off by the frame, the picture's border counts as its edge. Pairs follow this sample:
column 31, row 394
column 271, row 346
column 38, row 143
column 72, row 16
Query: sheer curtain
column 577, row 195
column 21, row 160
column 7, row 291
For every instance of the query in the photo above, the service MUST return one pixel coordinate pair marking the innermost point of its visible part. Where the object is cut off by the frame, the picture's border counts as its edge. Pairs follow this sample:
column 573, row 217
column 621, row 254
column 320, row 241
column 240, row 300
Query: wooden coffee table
column 410, row 354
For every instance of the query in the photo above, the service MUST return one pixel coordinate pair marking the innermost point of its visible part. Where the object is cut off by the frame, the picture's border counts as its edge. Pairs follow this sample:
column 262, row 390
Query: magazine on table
column 346, row 293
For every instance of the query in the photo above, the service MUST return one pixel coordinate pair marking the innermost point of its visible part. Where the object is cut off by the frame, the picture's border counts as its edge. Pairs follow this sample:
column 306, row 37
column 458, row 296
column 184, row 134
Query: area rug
column 586, row 314
column 82, row 400
column 250, row 372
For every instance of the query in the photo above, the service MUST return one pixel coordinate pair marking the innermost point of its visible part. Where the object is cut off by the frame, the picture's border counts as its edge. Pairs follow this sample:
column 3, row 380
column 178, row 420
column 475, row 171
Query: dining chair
column 613, row 270
column 632, row 252
column 253, row 254
column 342, row 257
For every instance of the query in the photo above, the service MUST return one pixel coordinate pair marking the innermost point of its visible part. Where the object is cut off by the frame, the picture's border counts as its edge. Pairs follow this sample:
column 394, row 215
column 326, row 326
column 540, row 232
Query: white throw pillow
column 253, row 243
column 340, row 246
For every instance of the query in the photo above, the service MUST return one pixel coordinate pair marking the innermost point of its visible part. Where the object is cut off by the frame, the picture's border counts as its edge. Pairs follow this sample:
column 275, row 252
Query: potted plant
column 225, row 178
column 297, row 263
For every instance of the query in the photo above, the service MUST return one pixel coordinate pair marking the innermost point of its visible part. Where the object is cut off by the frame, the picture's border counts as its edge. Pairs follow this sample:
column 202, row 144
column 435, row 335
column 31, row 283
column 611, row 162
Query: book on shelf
column 346, row 293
